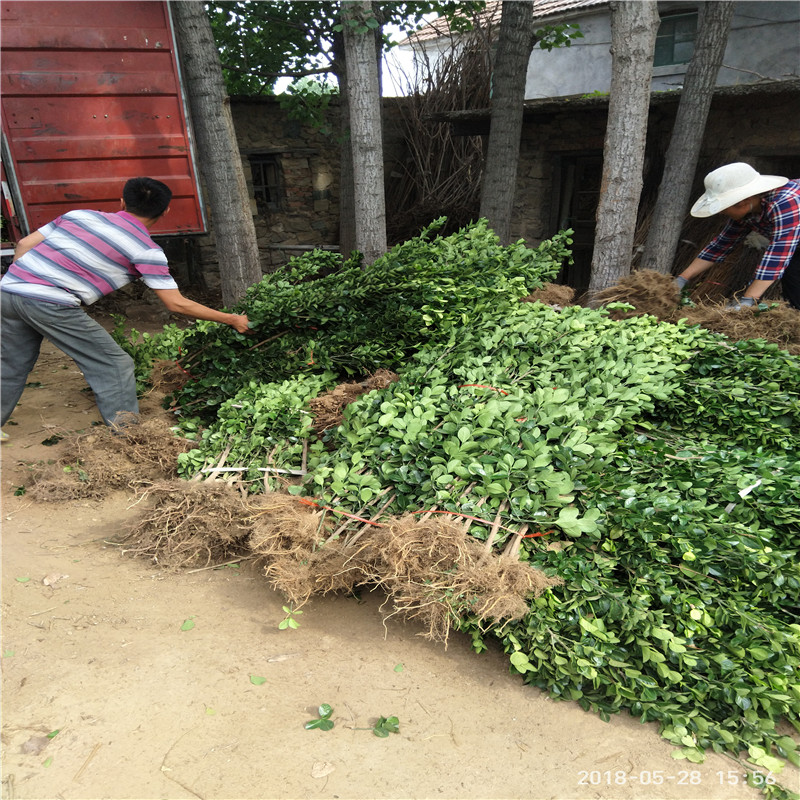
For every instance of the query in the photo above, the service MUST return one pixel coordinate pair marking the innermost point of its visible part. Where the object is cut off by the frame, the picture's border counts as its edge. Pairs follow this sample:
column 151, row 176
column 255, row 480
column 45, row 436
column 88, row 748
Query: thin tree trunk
column 347, row 216
column 365, row 129
column 687, row 136
column 634, row 25
column 508, row 95
column 220, row 161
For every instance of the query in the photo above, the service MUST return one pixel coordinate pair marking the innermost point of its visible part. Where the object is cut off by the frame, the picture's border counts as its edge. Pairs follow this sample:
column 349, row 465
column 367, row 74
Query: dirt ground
column 94, row 647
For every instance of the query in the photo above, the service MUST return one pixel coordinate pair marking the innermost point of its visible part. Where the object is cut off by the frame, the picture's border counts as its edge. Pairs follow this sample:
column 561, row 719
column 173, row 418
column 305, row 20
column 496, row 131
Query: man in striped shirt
column 766, row 204
column 72, row 262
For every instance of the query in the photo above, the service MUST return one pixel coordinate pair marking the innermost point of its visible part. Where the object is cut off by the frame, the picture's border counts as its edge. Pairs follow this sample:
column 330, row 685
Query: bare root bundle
column 93, row 464
column 167, row 377
column 301, row 574
column 652, row 293
column 438, row 575
column 780, row 325
column 328, row 408
column 190, row 524
column 291, row 540
column 648, row 291
column 280, row 524
column 552, row 294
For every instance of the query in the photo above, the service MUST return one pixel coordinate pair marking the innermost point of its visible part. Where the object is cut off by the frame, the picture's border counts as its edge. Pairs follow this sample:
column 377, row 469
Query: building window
column 675, row 40
column 267, row 184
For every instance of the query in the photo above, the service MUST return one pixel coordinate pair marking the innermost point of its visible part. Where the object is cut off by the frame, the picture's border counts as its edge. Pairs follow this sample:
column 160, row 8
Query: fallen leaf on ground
column 35, row 745
column 322, row 769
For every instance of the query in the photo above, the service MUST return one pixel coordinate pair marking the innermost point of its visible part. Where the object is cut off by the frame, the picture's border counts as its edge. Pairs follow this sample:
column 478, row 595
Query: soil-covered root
column 167, row 377
column 290, row 539
column 552, row 294
column 105, row 459
column 300, row 574
column 779, row 323
column 280, row 524
column 188, row 524
column 438, row 575
column 328, row 408
column 648, row 291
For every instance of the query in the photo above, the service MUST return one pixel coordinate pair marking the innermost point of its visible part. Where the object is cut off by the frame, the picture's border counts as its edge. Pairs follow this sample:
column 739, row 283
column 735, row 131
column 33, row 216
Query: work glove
column 742, row 302
column 681, row 282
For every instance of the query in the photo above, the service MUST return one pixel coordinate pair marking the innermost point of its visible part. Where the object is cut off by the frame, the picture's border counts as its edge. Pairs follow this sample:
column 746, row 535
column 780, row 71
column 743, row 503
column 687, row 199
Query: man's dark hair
column 146, row 197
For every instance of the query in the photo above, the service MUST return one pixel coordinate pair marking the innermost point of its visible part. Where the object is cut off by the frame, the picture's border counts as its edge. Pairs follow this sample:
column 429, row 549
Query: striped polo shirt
column 86, row 255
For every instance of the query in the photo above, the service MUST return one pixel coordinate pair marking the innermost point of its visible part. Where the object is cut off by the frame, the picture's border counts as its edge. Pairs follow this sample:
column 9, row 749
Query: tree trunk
column 366, row 137
column 218, row 151
column 347, row 216
column 634, row 25
column 687, row 136
column 508, row 94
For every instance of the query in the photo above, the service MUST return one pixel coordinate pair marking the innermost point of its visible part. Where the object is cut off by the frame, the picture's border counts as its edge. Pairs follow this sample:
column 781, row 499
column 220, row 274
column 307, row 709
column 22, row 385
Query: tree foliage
column 262, row 42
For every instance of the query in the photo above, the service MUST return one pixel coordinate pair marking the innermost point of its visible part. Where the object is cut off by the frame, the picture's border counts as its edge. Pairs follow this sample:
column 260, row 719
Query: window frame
column 670, row 18
column 268, row 189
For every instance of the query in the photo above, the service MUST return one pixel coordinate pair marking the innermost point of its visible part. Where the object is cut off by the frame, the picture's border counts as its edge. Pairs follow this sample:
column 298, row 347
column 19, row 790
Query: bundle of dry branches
column 442, row 173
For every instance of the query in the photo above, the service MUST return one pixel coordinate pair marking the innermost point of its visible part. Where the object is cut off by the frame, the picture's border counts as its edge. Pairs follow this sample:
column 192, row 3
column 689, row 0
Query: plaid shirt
column 779, row 221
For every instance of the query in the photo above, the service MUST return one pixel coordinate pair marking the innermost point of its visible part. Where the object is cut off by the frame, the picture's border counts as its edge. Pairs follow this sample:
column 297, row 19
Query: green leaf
column 188, row 624
column 257, row 680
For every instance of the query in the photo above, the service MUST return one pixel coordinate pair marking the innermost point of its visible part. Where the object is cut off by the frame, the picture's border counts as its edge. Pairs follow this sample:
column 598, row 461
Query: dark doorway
column 579, row 180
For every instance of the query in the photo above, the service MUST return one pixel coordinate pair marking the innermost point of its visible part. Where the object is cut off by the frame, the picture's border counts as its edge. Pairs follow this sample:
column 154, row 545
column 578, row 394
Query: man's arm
column 178, row 304
column 27, row 243
column 697, row 267
column 757, row 288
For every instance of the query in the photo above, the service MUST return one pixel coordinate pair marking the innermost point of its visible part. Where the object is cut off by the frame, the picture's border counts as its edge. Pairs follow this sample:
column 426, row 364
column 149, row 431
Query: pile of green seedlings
column 652, row 466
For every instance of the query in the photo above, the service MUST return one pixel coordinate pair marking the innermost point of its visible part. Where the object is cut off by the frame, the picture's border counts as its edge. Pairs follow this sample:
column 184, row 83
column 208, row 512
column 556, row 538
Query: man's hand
column 240, row 322
column 742, row 302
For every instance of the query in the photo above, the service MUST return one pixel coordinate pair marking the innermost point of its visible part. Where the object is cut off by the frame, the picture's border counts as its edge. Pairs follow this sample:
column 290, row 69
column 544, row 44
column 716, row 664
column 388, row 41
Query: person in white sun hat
column 766, row 204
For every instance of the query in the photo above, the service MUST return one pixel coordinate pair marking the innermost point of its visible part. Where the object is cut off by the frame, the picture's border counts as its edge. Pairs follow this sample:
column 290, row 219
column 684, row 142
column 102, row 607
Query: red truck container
column 91, row 96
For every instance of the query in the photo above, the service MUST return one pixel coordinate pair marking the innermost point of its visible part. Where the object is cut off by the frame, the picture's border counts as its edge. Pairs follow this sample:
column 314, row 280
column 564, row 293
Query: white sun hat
column 731, row 184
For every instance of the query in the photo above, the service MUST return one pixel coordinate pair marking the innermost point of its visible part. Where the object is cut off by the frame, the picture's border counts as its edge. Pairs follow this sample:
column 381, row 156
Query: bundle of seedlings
column 436, row 574
column 190, row 524
column 323, row 315
column 107, row 459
